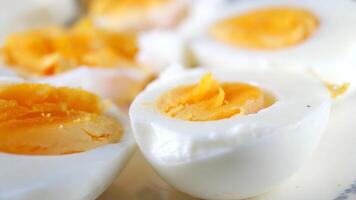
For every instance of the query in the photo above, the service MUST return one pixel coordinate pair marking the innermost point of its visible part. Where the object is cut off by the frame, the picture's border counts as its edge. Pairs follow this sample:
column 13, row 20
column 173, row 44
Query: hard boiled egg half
column 137, row 15
column 58, row 142
column 82, row 55
column 229, row 134
column 313, row 36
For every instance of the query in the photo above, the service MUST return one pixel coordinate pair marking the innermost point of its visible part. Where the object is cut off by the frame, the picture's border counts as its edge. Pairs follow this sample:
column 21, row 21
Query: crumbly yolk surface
column 38, row 119
column 267, row 28
column 210, row 100
column 49, row 51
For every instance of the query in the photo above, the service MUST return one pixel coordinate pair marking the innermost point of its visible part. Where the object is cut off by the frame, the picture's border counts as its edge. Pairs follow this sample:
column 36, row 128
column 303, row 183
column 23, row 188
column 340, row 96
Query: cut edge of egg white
column 236, row 157
column 83, row 175
column 105, row 82
column 327, row 54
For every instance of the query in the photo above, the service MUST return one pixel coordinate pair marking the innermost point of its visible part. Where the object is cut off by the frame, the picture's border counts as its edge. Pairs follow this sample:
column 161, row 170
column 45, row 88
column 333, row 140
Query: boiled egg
column 229, row 134
column 82, row 56
column 59, row 142
column 317, row 37
column 137, row 15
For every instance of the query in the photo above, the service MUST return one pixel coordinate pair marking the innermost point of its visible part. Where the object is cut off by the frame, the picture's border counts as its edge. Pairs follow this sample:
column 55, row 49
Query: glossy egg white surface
column 241, row 156
column 78, row 176
column 328, row 53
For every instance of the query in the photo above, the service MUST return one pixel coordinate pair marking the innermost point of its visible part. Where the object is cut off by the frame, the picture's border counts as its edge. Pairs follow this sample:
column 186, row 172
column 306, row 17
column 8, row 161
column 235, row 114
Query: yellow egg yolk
column 38, row 119
column 123, row 6
column 49, row 51
column 125, row 14
column 336, row 90
column 267, row 28
column 210, row 100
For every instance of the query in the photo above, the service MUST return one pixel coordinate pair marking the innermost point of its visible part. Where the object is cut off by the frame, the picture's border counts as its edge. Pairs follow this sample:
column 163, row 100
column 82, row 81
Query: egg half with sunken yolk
column 58, row 142
column 229, row 134
column 137, row 15
column 82, row 55
column 317, row 37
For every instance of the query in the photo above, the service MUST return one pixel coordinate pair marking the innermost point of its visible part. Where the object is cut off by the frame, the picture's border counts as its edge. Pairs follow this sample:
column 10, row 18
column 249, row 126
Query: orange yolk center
column 38, row 119
column 267, row 28
column 210, row 100
column 53, row 50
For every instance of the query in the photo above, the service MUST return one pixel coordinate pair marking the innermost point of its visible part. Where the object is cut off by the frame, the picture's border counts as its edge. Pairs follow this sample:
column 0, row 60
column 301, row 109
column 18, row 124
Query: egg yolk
column 267, row 28
column 38, row 119
column 125, row 14
column 49, row 51
column 123, row 6
column 336, row 90
column 210, row 100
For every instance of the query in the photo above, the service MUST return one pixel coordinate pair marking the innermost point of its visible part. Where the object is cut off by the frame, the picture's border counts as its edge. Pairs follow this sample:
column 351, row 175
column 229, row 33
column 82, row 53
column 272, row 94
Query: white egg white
column 78, row 176
column 6, row 72
column 18, row 15
column 105, row 82
column 160, row 49
column 237, row 157
column 328, row 53
column 111, row 83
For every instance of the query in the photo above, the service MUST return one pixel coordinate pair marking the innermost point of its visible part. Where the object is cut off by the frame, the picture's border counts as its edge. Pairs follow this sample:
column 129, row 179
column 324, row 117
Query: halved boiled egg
column 58, row 142
column 52, row 50
column 137, row 15
column 229, row 134
column 313, row 36
column 99, row 61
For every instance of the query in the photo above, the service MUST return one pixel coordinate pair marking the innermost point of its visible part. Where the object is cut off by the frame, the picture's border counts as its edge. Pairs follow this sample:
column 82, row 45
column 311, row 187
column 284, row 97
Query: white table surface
column 329, row 175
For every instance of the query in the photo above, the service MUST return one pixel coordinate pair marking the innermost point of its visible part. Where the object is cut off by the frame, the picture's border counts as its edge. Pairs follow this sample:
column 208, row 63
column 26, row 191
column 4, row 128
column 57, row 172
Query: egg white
column 328, row 53
column 105, row 82
column 78, row 176
column 237, row 157
column 18, row 15
column 160, row 49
